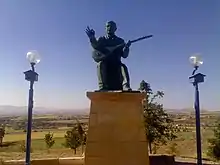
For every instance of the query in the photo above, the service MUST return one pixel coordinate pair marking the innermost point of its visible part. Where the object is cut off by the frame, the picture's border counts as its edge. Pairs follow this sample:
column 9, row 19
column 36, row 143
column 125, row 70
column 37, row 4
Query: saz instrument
column 99, row 55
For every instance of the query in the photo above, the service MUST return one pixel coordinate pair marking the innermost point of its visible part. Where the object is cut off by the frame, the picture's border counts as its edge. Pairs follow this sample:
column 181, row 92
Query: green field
column 19, row 136
column 186, row 145
column 39, row 149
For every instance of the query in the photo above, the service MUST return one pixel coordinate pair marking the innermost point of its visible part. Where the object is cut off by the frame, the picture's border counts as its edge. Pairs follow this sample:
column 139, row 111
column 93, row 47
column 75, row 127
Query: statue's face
column 110, row 28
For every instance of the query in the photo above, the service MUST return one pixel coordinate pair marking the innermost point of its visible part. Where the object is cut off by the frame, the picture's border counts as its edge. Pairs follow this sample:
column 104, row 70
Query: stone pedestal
column 116, row 134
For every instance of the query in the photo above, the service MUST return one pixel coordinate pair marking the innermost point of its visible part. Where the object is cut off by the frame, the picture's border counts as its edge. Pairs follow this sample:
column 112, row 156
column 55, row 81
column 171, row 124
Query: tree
column 49, row 140
column 173, row 149
column 72, row 139
column 158, row 124
column 22, row 146
column 214, row 143
column 82, row 134
column 2, row 134
column 84, row 139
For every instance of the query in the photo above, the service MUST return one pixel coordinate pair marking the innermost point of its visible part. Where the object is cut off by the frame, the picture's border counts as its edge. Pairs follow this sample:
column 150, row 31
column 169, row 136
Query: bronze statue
column 107, row 52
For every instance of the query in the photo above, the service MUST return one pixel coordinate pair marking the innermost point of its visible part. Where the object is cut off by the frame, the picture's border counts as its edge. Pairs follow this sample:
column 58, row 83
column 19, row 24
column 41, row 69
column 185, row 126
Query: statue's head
column 110, row 27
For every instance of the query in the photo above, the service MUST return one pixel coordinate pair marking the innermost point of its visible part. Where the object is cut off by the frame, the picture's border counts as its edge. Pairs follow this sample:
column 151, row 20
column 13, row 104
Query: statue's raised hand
column 90, row 32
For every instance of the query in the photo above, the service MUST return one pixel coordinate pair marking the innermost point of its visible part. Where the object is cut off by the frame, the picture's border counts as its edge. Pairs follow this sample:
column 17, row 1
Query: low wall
column 60, row 161
column 154, row 160
column 188, row 163
column 162, row 160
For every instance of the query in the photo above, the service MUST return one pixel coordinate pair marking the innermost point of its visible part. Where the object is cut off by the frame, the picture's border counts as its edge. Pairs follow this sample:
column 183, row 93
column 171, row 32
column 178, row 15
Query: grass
column 69, row 121
column 63, row 121
column 14, row 152
column 186, row 145
column 19, row 136
column 48, row 116
column 37, row 144
column 39, row 154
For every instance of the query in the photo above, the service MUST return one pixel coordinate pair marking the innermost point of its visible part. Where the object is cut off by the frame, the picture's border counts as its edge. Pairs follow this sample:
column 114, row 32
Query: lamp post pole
column 29, row 124
column 198, row 131
column 196, row 79
column 30, row 76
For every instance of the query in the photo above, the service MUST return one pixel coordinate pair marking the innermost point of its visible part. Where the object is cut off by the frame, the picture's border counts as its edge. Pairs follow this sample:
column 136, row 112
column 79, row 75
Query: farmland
column 59, row 124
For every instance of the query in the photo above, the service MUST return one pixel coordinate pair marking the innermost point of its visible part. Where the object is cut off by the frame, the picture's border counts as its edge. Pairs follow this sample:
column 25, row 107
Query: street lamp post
column 196, row 79
column 31, row 76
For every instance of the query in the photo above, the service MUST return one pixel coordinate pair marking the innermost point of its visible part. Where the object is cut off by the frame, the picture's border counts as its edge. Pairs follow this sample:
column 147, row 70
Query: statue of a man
column 107, row 52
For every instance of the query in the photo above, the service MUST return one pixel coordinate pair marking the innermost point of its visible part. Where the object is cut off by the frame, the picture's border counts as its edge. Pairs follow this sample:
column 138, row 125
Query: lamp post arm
column 32, row 67
column 195, row 69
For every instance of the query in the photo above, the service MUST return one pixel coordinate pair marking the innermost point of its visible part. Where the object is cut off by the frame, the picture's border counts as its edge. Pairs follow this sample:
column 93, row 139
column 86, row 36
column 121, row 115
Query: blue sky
column 56, row 29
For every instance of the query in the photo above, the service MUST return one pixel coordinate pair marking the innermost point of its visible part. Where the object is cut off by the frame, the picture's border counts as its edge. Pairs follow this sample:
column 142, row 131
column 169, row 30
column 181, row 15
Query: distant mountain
column 186, row 110
column 191, row 110
column 7, row 110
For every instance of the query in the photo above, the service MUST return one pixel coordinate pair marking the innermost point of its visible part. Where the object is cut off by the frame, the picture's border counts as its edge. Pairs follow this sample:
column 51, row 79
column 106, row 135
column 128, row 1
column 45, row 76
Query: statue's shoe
column 126, row 88
column 102, row 90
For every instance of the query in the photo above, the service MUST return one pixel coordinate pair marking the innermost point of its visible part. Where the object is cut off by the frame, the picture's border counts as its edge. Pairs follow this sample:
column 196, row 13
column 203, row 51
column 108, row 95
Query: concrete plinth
column 116, row 134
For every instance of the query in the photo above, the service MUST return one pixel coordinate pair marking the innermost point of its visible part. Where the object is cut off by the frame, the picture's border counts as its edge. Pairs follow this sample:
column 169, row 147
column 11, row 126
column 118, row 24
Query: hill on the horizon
column 8, row 110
